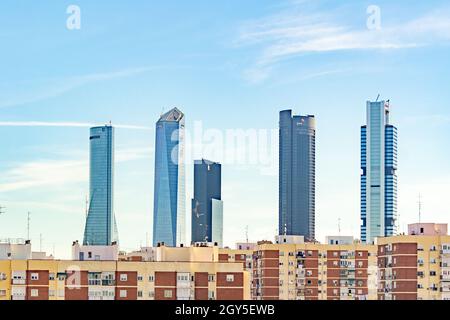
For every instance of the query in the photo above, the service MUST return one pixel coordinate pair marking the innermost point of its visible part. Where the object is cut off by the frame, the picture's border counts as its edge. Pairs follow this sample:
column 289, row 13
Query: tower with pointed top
column 101, row 226
column 169, row 213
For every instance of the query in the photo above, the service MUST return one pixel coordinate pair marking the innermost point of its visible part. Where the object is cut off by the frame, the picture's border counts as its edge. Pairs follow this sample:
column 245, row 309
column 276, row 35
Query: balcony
column 18, row 281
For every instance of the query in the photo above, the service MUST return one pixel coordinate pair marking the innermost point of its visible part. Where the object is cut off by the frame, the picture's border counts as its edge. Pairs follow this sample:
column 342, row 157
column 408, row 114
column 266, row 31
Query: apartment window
column 90, row 255
column 230, row 278
column 335, row 254
column 139, row 294
column 309, row 253
column 35, row 276
column 335, row 263
column 432, row 273
column 151, row 294
column 211, row 295
column 51, row 276
column 433, row 248
column 151, row 278
column 34, row 292
column 123, row 293
column 3, row 276
column 2, row 293
column 140, row 278
column 123, row 277
column 167, row 293
column 308, row 272
column 51, row 293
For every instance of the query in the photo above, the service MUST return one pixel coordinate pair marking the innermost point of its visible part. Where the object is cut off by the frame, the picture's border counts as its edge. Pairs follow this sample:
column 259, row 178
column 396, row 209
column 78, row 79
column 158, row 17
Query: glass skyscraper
column 378, row 174
column 101, row 227
column 169, row 194
column 207, row 205
column 297, row 153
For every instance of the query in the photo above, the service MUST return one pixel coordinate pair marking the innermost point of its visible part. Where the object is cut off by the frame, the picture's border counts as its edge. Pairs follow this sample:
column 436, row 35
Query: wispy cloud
column 63, row 172
column 65, row 124
column 294, row 32
column 57, row 87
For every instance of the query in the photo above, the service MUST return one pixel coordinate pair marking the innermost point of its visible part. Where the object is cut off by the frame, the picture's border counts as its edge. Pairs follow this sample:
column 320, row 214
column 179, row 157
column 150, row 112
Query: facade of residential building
column 297, row 136
column 101, row 227
column 122, row 280
column 207, row 204
column 414, row 267
column 313, row 271
column 169, row 212
column 378, row 173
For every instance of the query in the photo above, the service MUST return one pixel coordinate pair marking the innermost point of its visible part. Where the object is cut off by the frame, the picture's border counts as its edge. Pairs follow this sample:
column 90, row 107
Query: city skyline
column 127, row 62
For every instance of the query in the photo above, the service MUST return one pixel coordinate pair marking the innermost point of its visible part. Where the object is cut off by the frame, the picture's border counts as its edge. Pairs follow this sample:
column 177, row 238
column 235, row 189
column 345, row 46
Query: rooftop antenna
column 378, row 97
column 28, row 225
column 40, row 242
column 246, row 233
column 420, row 207
column 339, row 226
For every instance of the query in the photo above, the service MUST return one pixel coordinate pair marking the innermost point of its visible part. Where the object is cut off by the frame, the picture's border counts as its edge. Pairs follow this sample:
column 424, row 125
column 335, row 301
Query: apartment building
column 122, row 280
column 288, row 270
column 415, row 266
column 161, row 273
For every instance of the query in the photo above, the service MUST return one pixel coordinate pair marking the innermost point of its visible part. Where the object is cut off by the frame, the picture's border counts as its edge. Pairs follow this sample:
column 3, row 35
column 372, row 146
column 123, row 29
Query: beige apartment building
column 314, row 271
column 178, row 274
column 415, row 266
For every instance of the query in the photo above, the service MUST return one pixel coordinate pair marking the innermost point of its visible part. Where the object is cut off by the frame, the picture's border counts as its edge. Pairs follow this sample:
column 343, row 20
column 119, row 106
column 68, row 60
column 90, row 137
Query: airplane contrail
column 65, row 124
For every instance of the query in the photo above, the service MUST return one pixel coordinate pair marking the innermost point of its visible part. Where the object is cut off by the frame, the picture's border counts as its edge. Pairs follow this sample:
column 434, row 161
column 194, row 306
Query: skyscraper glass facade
column 297, row 150
column 169, row 192
column 207, row 206
column 101, row 227
column 378, row 174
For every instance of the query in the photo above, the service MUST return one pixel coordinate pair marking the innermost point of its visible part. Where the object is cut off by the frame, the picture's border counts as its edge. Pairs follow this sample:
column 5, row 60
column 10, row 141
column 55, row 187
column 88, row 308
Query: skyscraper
column 297, row 153
column 169, row 193
column 378, row 176
column 101, row 227
column 207, row 206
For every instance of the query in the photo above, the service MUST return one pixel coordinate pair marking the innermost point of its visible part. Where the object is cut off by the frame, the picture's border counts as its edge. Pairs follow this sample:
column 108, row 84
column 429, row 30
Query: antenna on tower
column 378, row 97
column 339, row 226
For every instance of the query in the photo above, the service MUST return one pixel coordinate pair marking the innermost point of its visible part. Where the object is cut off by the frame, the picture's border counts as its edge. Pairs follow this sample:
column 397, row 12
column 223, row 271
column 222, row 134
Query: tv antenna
column 246, row 233
column 28, row 225
column 339, row 226
column 420, row 207
column 378, row 97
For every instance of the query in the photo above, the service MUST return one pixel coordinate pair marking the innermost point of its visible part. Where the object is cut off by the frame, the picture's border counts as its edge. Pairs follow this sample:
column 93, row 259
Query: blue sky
column 231, row 65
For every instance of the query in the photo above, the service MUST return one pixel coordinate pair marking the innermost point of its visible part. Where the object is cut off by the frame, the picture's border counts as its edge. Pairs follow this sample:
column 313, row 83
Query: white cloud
column 58, row 87
column 293, row 32
column 53, row 173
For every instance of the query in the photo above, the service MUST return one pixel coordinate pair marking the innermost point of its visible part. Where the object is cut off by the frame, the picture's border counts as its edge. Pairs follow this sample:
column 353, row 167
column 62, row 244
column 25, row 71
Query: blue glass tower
column 169, row 193
column 297, row 154
column 378, row 174
column 207, row 205
column 101, row 227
